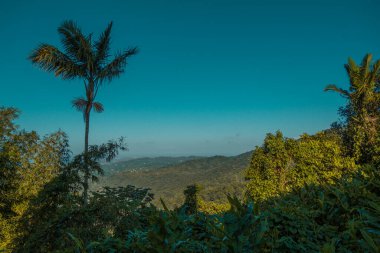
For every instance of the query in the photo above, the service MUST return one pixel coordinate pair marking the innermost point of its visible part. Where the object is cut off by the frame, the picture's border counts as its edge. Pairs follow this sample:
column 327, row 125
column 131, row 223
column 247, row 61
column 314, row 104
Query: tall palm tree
column 362, row 111
column 85, row 59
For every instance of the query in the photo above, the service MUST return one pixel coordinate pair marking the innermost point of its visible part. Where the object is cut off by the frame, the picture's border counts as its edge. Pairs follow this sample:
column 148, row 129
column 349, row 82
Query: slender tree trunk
column 87, row 172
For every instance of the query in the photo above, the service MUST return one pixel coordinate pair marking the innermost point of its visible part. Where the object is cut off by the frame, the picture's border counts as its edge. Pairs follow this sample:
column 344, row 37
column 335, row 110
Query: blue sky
column 212, row 76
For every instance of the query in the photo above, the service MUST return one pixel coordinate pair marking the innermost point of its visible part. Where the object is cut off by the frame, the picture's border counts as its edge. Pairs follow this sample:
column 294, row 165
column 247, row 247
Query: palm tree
column 364, row 79
column 362, row 111
column 84, row 59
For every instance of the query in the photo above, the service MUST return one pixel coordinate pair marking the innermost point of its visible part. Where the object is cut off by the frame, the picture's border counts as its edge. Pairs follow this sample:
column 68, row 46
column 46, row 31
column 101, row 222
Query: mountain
column 217, row 176
column 145, row 163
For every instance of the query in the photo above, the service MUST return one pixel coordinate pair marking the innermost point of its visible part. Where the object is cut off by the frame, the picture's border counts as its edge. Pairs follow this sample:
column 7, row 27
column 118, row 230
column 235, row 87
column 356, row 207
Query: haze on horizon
column 212, row 77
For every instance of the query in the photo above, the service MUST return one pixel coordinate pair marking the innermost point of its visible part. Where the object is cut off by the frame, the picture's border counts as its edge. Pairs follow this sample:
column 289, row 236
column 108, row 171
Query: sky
column 212, row 76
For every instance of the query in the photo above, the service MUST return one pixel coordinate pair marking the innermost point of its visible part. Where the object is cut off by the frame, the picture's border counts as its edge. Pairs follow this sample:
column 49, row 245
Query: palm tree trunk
column 87, row 172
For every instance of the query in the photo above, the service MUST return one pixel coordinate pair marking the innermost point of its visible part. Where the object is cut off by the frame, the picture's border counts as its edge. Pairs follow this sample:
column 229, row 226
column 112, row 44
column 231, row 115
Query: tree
column 362, row 110
column 83, row 58
column 282, row 164
column 27, row 163
column 58, row 210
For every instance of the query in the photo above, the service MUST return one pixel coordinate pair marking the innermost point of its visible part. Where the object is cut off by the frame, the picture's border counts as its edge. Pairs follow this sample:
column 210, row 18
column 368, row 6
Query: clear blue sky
column 212, row 76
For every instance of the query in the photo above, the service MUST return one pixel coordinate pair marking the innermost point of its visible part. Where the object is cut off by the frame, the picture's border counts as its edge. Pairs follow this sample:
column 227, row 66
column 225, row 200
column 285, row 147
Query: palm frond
column 98, row 107
column 52, row 59
column 76, row 44
column 375, row 73
column 116, row 66
column 332, row 87
column 354, row 74
column 352, row 65
column 80, row 104
column 366, row 65
column 70, row 38
column 102, row 45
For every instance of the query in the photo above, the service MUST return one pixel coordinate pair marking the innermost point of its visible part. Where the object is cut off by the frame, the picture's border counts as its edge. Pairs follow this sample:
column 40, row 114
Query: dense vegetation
column 339, row 218
column 217, row 176
column 283, row 164
column 318, row 193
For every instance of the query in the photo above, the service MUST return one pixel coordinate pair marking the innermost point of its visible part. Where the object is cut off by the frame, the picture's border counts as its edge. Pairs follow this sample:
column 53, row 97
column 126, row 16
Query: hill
column 145, row 163
column 217, row 175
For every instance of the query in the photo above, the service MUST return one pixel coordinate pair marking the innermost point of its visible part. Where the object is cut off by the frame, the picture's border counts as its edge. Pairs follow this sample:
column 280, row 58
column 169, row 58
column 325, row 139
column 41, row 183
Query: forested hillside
column 144, row 163
column 217, row 176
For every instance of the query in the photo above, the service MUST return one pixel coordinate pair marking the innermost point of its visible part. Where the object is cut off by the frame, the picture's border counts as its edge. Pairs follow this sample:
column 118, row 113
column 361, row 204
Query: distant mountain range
column 169, row 176
column 145, row 163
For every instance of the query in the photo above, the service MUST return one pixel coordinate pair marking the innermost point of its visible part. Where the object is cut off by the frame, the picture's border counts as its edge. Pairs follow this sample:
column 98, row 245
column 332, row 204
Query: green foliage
column 195, row 203
column 361, row 114
column 329, row 216
column 283, row 164
column 212, row 207
column 27, row 163
column 177, row 231
column 58, row 210
column 339, row 217
column 121, row 209
column 87, row 164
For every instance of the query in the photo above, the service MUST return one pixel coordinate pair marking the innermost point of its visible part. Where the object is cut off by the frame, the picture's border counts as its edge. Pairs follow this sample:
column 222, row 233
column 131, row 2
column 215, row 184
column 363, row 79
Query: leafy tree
column 8, row 179
column 283, row 164
column 27, row 163
column 85, row 59
column 58, row 210
column 362, row 110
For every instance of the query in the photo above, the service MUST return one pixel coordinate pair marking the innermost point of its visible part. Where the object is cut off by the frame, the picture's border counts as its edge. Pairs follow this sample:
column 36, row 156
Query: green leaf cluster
column 283, row 164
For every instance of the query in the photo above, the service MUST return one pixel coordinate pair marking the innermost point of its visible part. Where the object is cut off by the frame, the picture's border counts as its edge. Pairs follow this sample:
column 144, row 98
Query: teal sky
column 212, row 76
